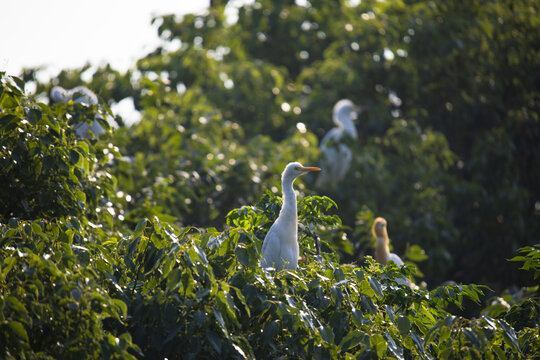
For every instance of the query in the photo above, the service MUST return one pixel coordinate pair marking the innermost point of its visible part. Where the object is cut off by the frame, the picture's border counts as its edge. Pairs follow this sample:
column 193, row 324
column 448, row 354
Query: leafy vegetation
column 145, row 242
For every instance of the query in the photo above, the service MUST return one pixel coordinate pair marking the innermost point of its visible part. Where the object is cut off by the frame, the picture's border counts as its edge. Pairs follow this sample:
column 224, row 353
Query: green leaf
column 393, row 347
column 132, row 247
column 239, row 351
column 214, row 340
column 226, row 304
column 417, row 341
column 358, row 318
column 83, row 146
column 9, row 119
column 313, row 284
column 415, row 253
column 15, row 304
column 34, row 115
column 509, row 335
column 173, row 279
column 500, row 352
column 471, row 336
column 121, row 306
column 351, row 340
column 81, row 196
column 270, row 330
column 376, row 286
column 74, row 157
column 76, row 293
column 404, row 325
column 337, row 295
column 197, row 252
column 360, row 275
column 220, row 321
column 36, row 228
column 19, row 83
column 378, row 342
column 326, row 334
column 242, row 255
column 368, row 305
column 390, row 313
column 19, row 329
column 139, row 228
column 518, row 258
column 339, row 275
column 444, row 333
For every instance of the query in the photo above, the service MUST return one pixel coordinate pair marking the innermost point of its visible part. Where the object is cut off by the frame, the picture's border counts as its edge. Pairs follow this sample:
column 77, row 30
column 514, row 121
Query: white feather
column 336, row 155
column 82, row 95
column 280, row 247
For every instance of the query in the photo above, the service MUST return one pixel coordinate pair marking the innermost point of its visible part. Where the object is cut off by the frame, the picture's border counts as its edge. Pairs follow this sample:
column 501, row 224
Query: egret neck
column 288, row 214
column 382, row 251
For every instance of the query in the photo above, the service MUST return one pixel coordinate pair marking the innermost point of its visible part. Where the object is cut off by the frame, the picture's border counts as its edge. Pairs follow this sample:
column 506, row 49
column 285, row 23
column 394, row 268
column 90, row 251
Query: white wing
column 83, row 95
column 336, row 158
column 271, row 249
column 289, row 256
column 396, row 259
column 344, row 161
column 330, row 156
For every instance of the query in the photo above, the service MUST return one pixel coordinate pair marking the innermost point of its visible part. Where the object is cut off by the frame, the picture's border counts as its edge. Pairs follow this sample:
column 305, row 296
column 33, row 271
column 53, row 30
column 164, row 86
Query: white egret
column 280, row 247
column 336, row 155
column 78, row 94
column 83, row 95
column 382, row 251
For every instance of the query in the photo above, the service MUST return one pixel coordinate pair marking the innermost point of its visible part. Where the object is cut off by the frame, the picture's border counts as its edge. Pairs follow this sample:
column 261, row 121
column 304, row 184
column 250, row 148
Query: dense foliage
column 145, row 242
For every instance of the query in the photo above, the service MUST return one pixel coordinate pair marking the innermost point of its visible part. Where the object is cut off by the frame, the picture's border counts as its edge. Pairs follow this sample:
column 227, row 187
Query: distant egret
column 78, row 94
column 382, row 251
column 83, row 95
column 336, row 155
column 280, row 247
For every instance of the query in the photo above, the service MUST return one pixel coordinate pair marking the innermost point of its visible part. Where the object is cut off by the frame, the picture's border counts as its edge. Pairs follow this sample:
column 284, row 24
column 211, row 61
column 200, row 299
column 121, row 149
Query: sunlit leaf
column 326, row 334
column 19, row 329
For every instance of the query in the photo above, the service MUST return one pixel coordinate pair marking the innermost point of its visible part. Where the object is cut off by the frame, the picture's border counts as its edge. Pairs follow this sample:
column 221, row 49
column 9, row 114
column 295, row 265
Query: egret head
column 295, row 169
column 379, row 228
column 343, row 115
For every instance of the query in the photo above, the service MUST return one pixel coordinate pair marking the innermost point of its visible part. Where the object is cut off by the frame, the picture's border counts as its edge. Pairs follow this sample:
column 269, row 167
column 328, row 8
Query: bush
column 146, row 242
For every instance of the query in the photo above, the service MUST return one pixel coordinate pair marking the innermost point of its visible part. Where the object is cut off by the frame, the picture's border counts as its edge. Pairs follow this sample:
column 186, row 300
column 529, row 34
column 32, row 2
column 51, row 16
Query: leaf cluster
column 125, row 245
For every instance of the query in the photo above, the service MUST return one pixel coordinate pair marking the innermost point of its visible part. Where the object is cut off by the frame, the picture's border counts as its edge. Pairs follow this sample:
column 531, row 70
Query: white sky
column 61, row 34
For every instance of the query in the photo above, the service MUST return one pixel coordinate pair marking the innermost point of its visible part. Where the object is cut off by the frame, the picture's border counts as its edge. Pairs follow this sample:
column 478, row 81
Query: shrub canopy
column 145, row 241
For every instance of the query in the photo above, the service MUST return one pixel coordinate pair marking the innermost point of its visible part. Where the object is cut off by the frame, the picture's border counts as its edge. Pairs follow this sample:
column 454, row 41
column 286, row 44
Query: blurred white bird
column 280, row 247
column 78, row 94
column 336, row 155
column 382, row 251
column 83, row 95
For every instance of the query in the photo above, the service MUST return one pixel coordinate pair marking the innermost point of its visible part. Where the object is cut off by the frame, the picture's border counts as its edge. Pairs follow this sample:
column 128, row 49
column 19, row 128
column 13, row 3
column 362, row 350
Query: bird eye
column 297, row 168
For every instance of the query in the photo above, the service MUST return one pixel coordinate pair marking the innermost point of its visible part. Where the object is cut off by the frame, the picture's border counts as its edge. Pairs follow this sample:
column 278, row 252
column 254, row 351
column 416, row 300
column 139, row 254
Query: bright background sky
column 62, row 34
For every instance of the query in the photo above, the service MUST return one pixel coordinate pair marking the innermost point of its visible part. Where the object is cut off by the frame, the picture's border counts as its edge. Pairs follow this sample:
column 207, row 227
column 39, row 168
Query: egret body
column 337, row 156
column 83, row 95
column 280, row 247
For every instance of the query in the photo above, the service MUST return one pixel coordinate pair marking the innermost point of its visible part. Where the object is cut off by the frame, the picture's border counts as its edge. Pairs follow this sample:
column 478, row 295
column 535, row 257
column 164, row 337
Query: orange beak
column 309, row 168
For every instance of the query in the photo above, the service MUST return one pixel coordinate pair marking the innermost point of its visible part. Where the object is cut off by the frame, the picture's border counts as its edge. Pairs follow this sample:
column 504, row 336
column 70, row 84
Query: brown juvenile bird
column 382, row 251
